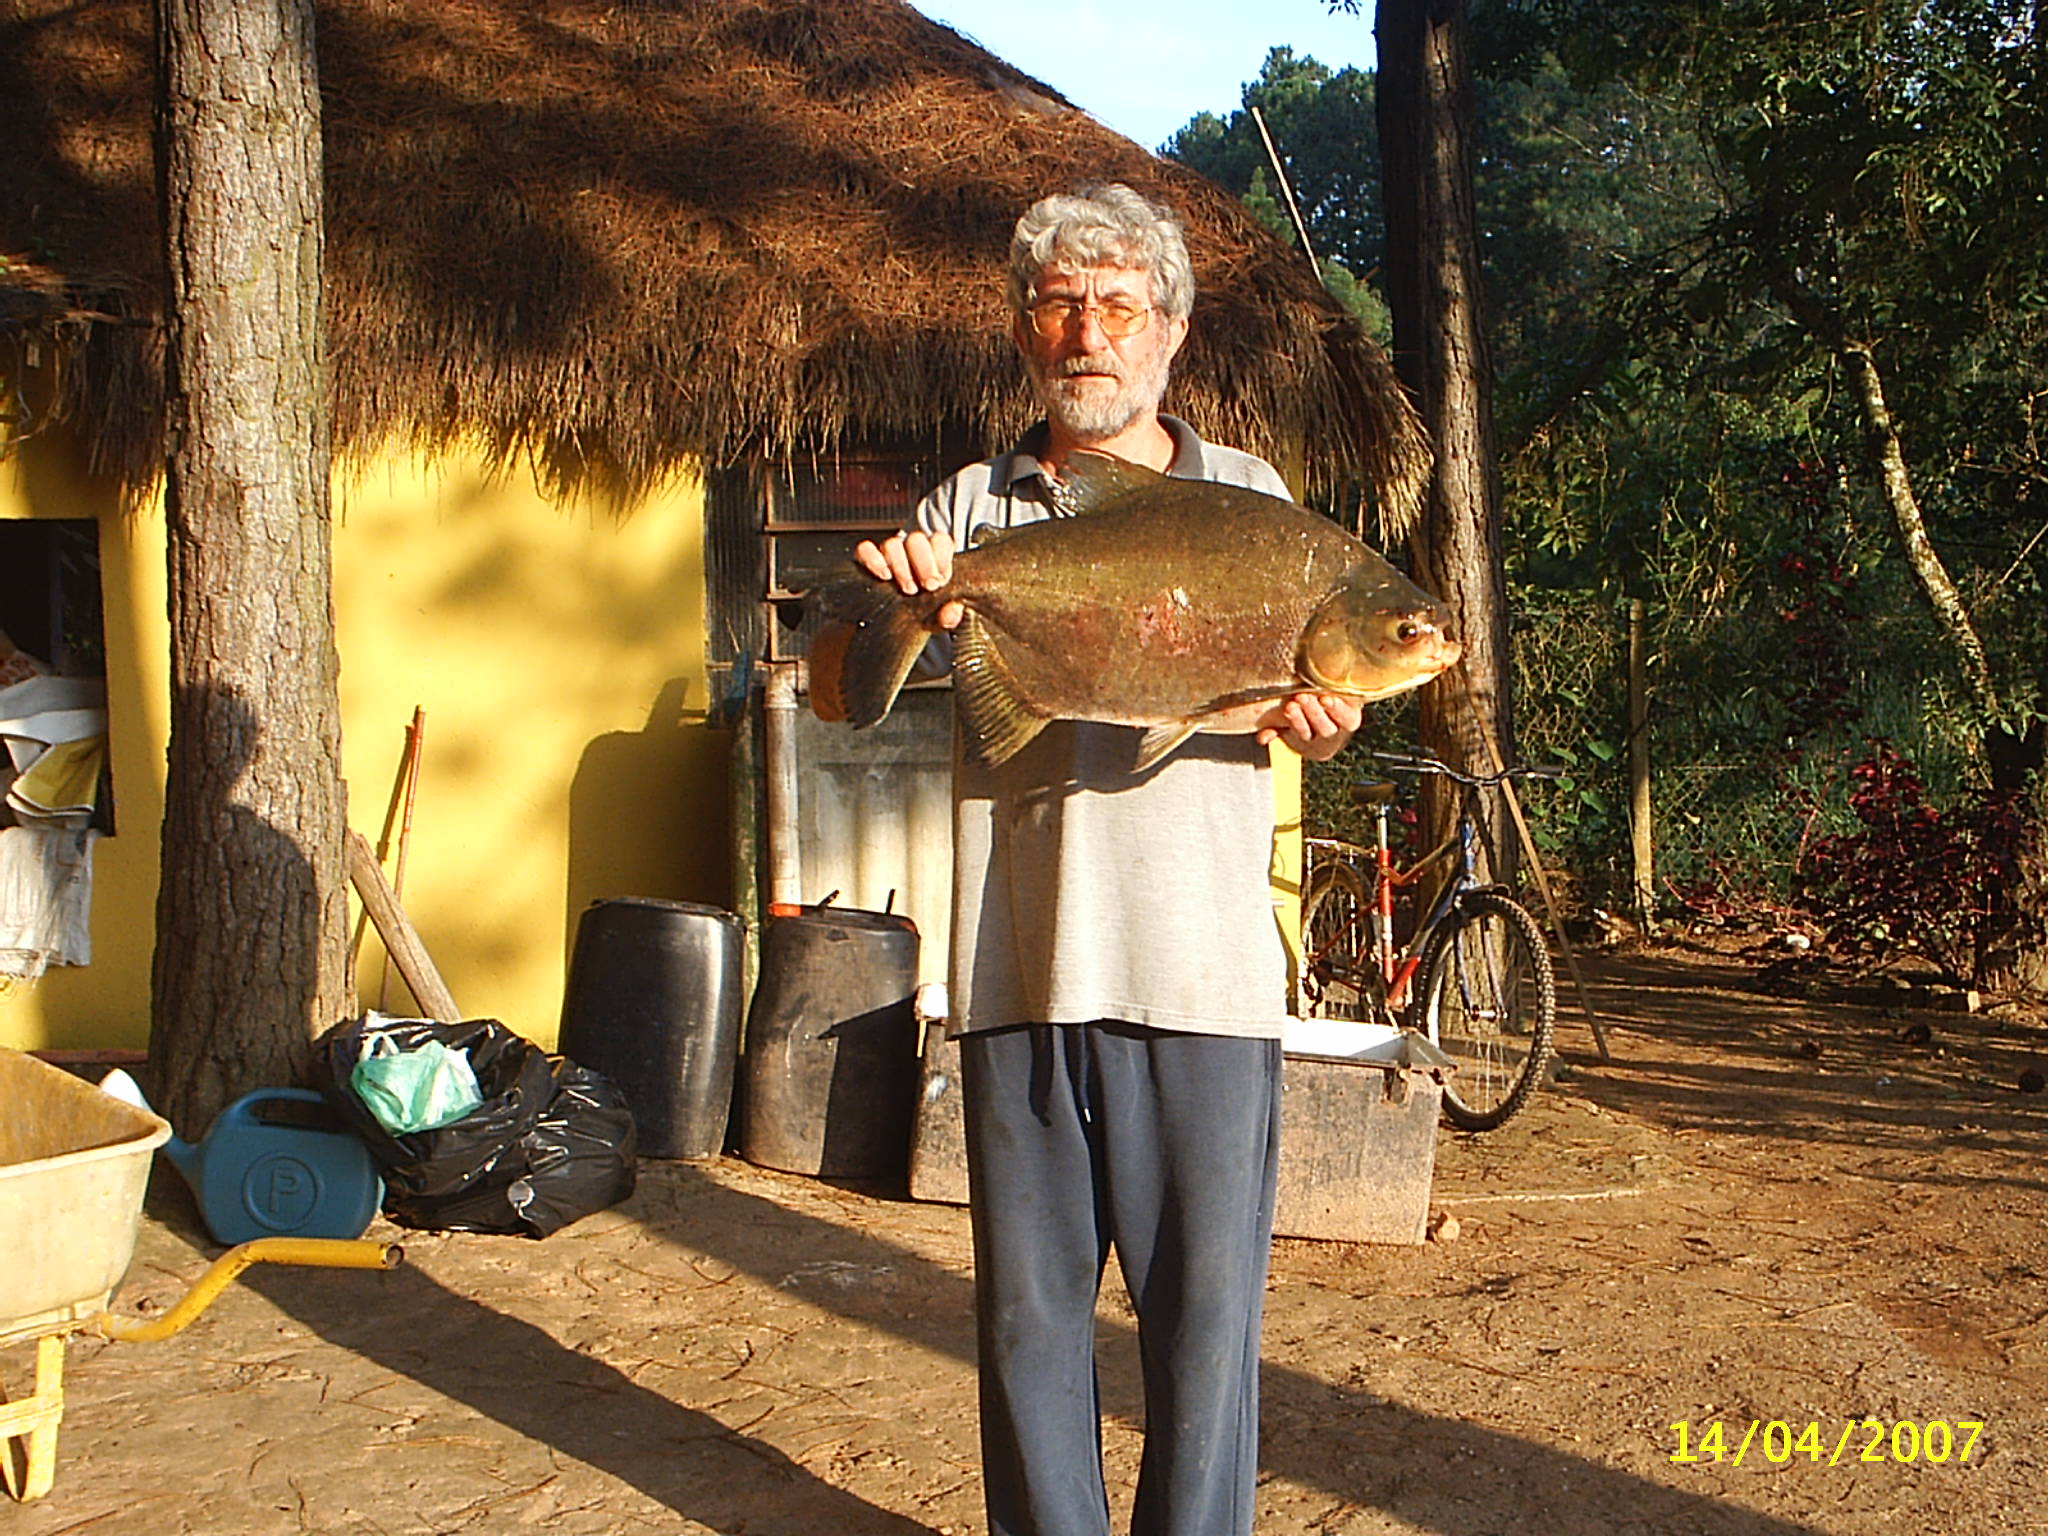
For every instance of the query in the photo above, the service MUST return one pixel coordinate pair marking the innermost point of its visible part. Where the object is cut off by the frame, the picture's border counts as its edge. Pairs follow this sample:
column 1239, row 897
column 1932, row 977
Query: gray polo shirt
column 1082, row 891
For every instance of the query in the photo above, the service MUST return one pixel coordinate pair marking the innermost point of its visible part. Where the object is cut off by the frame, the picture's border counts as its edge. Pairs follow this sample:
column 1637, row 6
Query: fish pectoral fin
column 999, row 723
column 1232, row 714
column 1162, row 739
column 1090, row 481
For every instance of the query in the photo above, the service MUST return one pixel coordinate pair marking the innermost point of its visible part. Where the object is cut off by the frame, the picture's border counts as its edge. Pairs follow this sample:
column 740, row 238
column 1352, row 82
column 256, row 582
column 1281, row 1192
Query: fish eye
column 1407, row 630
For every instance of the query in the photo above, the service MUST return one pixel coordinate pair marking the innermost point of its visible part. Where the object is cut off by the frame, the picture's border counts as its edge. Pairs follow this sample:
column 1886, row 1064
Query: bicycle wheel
column 1336, row 928
column 1488, row 1000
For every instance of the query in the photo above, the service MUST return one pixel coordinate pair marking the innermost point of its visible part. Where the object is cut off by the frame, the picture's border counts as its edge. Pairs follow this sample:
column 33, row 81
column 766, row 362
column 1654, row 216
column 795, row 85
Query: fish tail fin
column 887, row 632
column 999, row 723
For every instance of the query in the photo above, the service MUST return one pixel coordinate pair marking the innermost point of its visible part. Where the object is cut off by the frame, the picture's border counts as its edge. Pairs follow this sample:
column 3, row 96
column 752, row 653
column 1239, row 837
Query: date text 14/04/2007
column 1778, row 1441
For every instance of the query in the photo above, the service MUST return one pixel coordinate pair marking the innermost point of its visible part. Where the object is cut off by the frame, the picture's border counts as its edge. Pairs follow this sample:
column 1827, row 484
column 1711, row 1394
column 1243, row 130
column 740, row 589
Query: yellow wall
column 558, row 656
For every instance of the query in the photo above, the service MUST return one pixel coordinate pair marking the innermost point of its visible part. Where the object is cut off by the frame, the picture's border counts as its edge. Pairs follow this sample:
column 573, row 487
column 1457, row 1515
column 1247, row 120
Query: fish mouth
column 1428, row 638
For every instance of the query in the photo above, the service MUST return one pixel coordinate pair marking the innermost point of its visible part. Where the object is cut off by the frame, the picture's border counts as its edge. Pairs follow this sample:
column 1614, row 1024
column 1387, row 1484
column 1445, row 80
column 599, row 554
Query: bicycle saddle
column 1374, row 792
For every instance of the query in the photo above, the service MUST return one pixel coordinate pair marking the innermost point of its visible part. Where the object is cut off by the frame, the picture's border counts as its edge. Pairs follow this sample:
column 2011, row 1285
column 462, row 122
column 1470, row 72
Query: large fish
column 1173, row 605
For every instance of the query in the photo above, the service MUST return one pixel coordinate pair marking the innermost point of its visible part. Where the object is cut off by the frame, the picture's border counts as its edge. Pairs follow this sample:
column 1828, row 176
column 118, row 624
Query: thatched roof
column 619, row 237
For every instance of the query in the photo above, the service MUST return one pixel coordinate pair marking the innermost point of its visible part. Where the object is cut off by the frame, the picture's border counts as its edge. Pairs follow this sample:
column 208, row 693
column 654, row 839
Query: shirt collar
column 1021, row 462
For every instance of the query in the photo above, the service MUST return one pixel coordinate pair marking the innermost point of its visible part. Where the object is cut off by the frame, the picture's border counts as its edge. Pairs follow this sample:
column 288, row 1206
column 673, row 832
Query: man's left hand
column 1317, row 725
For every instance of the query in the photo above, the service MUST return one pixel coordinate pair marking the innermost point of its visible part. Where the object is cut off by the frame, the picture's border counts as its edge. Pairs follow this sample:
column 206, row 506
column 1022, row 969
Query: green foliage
column 1324, row 129
column 1583, row 193
column 1362, row 299
column 1691, row 211
column 1875, row 176
column 1882, row 185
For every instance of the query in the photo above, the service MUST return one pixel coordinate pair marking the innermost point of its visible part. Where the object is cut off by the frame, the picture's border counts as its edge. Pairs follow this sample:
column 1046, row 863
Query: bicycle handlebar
column 1415, row 763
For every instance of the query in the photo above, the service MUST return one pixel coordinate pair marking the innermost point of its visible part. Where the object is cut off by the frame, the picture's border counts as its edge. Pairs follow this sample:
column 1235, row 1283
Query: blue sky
column 1145, row 67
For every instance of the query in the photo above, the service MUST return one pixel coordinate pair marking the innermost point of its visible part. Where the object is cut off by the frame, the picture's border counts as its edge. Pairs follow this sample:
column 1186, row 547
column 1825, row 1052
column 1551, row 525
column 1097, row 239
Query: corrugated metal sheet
column 875, row 816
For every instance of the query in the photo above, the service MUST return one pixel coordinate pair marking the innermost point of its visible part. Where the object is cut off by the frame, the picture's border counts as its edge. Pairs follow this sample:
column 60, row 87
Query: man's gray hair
column 1103, row 226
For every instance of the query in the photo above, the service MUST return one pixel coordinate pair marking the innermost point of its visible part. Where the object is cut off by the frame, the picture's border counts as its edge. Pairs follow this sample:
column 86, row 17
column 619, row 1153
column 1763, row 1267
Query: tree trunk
column 1921, row 558
column 2011, row 955
column 252, row 914
column 1435, row 293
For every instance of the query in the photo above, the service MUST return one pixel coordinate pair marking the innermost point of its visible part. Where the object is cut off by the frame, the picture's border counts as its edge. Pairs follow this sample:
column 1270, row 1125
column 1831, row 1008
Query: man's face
column 1093, row 384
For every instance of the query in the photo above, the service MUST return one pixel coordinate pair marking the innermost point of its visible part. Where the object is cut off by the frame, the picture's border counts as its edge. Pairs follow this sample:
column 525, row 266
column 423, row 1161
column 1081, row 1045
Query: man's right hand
column 915, row 562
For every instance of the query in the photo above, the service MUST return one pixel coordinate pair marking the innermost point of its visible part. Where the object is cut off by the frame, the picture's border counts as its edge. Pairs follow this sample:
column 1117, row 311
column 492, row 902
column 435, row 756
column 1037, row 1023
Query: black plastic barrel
column 655, row 994
column 829, row 1081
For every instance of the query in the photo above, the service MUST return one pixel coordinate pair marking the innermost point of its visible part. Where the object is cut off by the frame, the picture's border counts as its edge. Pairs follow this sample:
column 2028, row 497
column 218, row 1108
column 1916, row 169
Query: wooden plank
column 401, row 939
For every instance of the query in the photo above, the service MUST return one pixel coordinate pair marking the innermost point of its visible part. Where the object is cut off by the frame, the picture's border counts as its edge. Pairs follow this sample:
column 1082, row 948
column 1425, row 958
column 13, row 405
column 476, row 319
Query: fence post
column 1640, row 833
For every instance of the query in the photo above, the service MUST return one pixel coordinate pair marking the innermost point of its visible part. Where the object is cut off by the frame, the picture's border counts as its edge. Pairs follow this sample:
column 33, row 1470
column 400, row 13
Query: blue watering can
column 275, row 1163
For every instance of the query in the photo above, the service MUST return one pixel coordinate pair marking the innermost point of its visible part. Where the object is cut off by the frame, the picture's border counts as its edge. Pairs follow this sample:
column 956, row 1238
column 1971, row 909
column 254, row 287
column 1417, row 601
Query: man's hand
column 1317, row 725
column 915, row 562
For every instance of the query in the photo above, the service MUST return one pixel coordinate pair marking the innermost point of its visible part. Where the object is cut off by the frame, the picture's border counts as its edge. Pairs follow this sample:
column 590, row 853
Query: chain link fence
column 1753, row 723
column 1752, row 727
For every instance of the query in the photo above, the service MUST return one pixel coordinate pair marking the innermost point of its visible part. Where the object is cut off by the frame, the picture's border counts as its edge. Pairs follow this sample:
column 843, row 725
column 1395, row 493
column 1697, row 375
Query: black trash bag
column 527, row 1161
column 579, row 1154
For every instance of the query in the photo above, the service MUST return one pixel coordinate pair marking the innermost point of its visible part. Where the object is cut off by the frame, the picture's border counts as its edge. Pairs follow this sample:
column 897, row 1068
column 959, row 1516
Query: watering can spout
column 184, row 1155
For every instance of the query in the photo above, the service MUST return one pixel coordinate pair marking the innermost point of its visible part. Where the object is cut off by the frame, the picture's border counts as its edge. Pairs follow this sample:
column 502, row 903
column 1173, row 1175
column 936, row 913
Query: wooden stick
column 1287, row 191
column 413, row 736
column 399, row 782
column 401, row 939
column 1571, row 958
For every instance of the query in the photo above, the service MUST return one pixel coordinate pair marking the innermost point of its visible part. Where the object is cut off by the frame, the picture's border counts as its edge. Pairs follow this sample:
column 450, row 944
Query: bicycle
column 1475, row 979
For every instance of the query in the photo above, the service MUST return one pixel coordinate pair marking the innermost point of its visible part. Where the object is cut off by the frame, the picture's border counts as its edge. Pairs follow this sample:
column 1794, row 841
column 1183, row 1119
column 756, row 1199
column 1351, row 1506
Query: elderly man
column 1118, row 978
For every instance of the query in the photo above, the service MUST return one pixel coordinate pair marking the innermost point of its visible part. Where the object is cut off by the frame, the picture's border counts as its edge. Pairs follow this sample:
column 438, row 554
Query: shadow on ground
column 1370, row 1453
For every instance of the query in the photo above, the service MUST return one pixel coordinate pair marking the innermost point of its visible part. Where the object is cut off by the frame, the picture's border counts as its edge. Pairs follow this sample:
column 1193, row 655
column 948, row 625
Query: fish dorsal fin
column 999, row 723
column 1089, row 481
column 1160, row 740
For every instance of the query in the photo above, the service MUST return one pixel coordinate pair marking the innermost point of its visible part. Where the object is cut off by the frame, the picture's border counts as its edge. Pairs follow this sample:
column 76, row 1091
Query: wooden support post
column 33, row 1421
column 1641, row 843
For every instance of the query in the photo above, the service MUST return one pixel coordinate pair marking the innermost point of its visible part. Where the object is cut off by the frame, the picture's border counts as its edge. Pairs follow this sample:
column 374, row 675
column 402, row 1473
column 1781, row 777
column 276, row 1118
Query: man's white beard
column 1088, row 415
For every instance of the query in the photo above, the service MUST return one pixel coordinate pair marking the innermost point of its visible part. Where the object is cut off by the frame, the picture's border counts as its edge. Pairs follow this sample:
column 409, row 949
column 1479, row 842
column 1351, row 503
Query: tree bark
column 1435, row 292
column 1921, row 558
column 252, row 914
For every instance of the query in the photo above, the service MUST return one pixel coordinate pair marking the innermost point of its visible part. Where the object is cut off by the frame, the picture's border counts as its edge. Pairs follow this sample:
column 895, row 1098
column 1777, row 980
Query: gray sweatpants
column 1166, row 1146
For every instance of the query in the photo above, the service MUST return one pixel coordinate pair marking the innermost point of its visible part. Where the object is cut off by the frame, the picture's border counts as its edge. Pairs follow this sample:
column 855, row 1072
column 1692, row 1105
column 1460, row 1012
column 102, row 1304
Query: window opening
column 775, row 528
column 811, row 519
column 53, row 675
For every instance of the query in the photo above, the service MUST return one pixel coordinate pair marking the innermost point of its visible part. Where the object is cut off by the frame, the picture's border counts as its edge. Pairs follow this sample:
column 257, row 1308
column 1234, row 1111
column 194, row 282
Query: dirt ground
column 1763, row 1210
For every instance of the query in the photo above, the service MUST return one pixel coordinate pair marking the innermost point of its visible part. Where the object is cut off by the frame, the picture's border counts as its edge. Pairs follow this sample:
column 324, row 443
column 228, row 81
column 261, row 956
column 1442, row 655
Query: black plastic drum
column 655, row 994
column 829, row 1083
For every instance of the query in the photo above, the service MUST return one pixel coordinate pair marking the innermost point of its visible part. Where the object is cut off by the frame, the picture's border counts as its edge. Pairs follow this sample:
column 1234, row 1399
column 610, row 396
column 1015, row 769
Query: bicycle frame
column 1398, row 971
column 1474, row 979
column 1394, row 968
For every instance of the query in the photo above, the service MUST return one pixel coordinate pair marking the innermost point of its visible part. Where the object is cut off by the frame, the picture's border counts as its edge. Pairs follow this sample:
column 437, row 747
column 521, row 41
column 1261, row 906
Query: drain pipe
column 779, row 707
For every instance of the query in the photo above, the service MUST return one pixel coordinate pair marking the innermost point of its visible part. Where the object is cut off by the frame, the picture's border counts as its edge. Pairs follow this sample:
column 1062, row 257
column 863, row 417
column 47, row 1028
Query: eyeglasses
column 1052, row 318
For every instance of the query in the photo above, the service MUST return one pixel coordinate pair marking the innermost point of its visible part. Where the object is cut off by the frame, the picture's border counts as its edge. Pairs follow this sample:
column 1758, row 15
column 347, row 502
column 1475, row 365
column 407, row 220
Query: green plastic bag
column 421, row 1089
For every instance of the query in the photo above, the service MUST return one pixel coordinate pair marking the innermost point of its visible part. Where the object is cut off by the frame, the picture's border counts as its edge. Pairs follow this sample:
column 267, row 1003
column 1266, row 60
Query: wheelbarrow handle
column 329, row 1252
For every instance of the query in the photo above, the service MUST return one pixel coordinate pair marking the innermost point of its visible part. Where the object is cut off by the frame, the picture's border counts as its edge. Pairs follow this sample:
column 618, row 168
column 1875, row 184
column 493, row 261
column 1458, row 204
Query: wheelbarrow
column 74, row 1164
